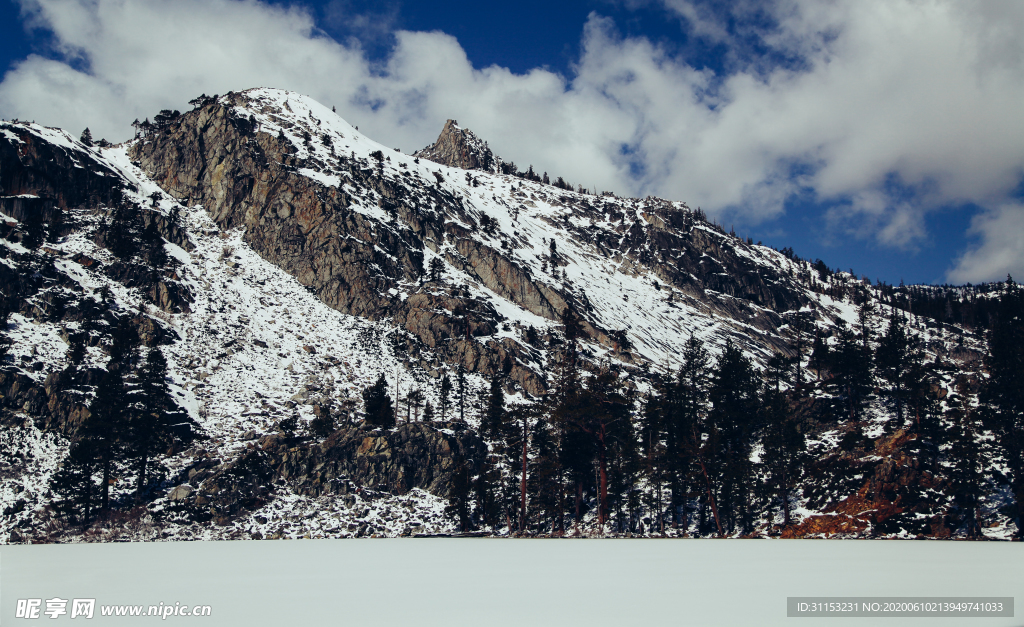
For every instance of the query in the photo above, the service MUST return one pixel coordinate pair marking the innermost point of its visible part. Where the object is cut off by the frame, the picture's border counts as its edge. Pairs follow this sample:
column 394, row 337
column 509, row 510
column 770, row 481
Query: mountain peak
column 460, row 147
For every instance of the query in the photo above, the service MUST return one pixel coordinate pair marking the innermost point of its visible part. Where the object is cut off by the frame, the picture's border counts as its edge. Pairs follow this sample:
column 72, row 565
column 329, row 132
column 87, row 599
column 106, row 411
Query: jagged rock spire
column 460, row 148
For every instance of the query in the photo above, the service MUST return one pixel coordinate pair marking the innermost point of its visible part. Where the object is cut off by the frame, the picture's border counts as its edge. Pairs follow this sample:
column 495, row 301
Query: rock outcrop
column 413, row 455
column 886, row 488
column 459, row 147
column 52, row 175
column 51, row 405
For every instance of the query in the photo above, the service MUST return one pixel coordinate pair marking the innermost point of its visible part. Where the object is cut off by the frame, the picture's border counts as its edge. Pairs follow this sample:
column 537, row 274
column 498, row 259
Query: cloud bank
column 882, row 110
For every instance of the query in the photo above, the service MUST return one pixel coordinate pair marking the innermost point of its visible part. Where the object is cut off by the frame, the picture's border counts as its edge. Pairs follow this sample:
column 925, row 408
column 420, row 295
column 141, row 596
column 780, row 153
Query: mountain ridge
column 267, row 202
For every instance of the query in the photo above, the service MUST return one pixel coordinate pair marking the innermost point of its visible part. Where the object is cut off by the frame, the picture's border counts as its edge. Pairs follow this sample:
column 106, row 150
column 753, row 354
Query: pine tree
column 800, row 326
column 75, row 486
column 851, row 372
column 289, row 425
column 821, row 356
column 893, row 359
column 492, row 422
column 690, row 408
column 323, row 423
column 734, row 408
column 966, row 483
column 654, row 453
column 436, row 270
column 76, row 351
column 591, row 419
column 922, row 409
column 515, row 441
column 121, row 231
column 623, row 465
column 544, row 475
column 413, row 401
column 577, row 453
column 154, row 417
column 379, row 410
column 446, row 390
column 153, row 244
column 459, row 496
column 783, row 445
column 123, row 349
column 485, row 493
column 86, row 137
column 104, row 430
column 460, row 381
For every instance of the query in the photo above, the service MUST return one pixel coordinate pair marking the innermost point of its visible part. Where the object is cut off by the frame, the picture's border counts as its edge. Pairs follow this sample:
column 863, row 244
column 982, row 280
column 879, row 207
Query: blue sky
column 879, row 135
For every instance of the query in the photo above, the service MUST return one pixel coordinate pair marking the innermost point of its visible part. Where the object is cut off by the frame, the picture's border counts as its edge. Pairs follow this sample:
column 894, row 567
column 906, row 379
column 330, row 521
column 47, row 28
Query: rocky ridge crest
column 458, row 147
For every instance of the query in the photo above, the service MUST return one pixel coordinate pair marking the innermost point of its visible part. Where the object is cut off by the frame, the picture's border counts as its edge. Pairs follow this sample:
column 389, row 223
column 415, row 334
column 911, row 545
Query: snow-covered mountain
column 305, row 260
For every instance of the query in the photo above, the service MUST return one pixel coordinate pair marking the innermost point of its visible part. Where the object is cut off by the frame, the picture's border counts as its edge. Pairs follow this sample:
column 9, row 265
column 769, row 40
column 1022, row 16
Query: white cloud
column 872, row 214
column 1001, row 251
column 896, row 108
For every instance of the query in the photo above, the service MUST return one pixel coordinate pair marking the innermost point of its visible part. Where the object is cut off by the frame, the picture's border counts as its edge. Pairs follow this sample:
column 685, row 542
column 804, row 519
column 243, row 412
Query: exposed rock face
column 52, row 406
column 502, row 276
column 884, row 490
column 700, row 261
column 459, row 147
column 411, row 456
column 248, row 179
column 59, row 176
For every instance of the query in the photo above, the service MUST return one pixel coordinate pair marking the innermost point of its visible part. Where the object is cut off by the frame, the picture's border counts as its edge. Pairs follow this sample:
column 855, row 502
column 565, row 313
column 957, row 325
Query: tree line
column 719, row 446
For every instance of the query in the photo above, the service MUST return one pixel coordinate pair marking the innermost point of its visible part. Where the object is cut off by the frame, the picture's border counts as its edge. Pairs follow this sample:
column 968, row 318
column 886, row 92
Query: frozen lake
column 508, row 582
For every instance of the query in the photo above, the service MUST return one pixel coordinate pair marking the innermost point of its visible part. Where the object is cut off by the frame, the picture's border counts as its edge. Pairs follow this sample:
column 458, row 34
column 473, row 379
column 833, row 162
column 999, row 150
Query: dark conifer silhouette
column 103, row 432
column 379, row 410
column 121, row 233
column 492, row 422
column 153, row 245
column 1003, row 394
column 436, row 270
column 445, row 395
column 734, row 408
column 323, row 423
column 156, row 420
column 75, row 486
